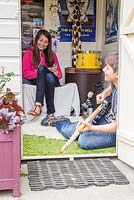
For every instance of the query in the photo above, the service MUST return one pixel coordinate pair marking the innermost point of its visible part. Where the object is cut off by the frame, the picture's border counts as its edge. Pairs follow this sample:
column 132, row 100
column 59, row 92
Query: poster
column 32, row 18
column 38, row 22
column 26, row 30
column 26, row 1
column 111, row 21
column 54, row 15
column 55, row 42
column 88, row 33
column 35, row 31
column 26, row 43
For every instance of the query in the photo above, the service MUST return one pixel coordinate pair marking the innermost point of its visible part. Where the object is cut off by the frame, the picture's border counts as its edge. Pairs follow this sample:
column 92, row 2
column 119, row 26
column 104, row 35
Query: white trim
column 126, row 136
column 130, row 18
column 127, row 30
column 70, row 157
column 128, row 47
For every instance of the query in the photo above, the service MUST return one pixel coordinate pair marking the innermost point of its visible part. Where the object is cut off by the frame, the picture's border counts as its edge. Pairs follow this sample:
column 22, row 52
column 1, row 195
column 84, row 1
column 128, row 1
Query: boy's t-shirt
column 110, row 117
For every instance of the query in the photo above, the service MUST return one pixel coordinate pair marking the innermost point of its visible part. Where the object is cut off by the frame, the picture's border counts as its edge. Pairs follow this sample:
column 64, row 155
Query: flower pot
column 10, row 161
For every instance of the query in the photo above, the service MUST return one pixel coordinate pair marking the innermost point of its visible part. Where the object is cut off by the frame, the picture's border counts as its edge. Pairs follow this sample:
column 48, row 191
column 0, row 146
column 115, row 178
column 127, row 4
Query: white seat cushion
column 66, row 97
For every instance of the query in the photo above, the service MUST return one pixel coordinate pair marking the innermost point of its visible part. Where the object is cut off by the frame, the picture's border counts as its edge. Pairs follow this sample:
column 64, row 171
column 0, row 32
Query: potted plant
column 10, row 120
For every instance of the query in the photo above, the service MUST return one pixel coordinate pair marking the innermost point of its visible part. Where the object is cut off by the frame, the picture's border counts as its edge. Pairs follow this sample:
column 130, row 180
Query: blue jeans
column 46, row 82
column 89, row 139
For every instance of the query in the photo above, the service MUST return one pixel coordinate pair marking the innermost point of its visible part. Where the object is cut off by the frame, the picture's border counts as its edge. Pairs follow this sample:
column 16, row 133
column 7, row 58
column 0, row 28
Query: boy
column 102, row 134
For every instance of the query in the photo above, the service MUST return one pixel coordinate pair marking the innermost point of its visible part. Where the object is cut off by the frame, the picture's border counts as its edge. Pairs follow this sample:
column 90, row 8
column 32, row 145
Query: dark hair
column 47, row 52
column 112, row 60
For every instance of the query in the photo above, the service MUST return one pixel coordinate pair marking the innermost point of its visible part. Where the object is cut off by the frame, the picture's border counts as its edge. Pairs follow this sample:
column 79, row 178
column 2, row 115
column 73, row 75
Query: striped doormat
column 61, row 174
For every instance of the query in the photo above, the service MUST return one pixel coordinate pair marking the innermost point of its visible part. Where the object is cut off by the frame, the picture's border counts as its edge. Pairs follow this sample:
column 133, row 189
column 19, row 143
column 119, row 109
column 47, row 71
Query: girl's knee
column 50, row 78
column 41, row 69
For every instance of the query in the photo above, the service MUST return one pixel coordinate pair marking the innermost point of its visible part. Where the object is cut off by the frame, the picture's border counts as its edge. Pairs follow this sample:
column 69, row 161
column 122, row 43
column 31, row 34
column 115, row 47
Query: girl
column 41, row 68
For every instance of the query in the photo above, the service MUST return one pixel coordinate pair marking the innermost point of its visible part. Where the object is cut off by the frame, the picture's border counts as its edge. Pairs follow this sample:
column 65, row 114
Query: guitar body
column 106, row 106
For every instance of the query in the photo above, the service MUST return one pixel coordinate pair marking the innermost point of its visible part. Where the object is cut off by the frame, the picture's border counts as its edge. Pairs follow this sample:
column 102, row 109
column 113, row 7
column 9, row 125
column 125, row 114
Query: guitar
column 106, row 106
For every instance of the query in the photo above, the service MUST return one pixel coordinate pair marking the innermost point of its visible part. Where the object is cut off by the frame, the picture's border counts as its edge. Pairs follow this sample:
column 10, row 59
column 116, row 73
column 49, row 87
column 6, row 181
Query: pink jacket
column 29, row 71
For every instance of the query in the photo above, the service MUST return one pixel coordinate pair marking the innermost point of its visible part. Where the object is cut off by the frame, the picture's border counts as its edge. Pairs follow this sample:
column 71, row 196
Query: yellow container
column 88, row 59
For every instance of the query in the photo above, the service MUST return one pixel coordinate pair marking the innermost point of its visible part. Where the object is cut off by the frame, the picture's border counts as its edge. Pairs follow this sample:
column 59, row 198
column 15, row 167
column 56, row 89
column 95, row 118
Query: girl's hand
column 54, row 70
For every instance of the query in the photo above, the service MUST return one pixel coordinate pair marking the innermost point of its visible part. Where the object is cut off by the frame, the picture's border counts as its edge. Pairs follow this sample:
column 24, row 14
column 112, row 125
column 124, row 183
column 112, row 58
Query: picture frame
column 111, row 21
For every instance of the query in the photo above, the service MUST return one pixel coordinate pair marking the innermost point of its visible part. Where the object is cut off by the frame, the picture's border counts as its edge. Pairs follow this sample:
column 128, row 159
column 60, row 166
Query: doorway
column 50, row 145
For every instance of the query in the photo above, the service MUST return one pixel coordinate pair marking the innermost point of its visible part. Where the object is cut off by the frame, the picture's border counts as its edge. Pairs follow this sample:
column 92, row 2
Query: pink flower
column 11, row 114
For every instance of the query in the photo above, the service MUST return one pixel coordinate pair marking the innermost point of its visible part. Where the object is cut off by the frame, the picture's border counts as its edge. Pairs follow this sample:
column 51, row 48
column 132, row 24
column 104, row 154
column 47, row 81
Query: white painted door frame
column 125, row 133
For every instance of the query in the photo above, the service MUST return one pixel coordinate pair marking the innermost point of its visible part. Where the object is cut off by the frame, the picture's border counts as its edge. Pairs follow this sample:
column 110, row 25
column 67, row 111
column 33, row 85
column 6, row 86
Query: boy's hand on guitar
column 87, row 126
column 100, row 98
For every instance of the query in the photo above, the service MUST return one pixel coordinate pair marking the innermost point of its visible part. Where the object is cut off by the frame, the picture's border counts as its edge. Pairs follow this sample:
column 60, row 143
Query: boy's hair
column 112, row 60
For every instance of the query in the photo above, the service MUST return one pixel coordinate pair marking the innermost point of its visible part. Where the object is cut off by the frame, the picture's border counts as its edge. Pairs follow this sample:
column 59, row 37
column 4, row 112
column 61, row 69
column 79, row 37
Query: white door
column 10, row 44
column 125, row 133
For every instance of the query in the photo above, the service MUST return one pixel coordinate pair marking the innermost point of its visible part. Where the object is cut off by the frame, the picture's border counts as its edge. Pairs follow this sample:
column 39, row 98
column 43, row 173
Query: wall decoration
column 54, row 10
column 55, row 42
column 26, row 1
column 26, row 43
column 87, row 18
column 32, row 20
column 111, row 21
column 35, row 31
column 37, row 22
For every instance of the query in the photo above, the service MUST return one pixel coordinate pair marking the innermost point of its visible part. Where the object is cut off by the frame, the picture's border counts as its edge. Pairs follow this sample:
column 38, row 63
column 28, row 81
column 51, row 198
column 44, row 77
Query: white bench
column 66, row 97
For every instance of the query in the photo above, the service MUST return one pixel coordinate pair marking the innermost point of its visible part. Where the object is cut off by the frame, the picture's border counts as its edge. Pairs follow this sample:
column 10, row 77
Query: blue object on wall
column 88, row 26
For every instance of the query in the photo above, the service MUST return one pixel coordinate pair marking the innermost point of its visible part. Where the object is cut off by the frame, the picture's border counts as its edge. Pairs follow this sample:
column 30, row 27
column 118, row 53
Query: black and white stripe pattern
column 76, row 33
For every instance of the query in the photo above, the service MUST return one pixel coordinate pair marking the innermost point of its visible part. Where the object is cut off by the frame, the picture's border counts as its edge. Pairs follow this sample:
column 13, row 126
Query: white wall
column 10, row 51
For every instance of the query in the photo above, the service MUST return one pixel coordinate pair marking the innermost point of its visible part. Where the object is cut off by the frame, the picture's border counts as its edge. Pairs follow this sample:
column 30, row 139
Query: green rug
column 41, row 146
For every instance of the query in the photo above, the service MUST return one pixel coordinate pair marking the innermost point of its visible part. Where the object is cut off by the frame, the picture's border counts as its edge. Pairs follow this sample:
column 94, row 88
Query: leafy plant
column 4, row 78
column 11, row 113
